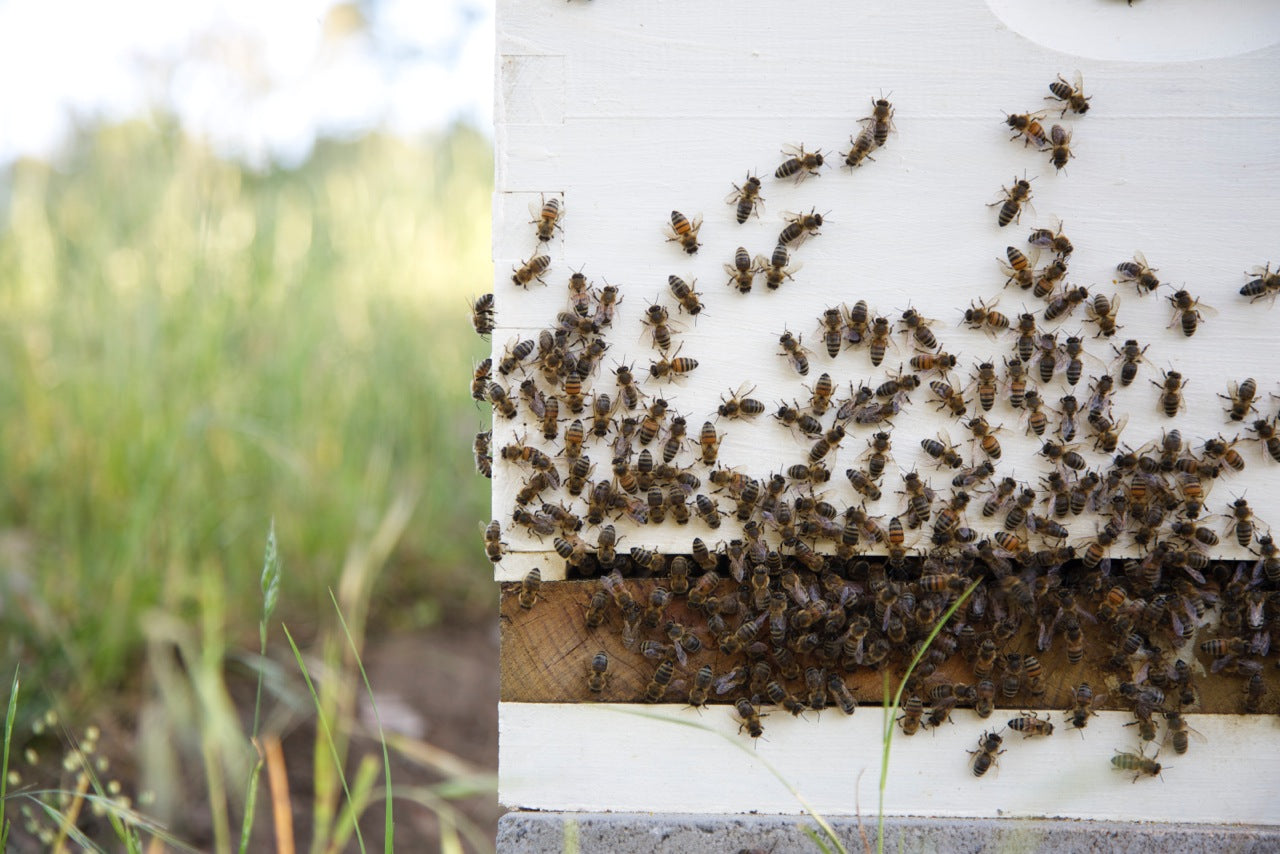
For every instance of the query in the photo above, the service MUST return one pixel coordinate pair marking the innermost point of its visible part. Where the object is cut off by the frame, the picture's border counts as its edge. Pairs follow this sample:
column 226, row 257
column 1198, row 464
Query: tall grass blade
column 270, row 584
column 324, row 726
column 388, row 845
column 891, row 709
column 4, row 762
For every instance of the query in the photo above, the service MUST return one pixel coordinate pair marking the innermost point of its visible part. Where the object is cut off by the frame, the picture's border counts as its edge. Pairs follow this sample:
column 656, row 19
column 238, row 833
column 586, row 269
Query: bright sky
column 259, row 79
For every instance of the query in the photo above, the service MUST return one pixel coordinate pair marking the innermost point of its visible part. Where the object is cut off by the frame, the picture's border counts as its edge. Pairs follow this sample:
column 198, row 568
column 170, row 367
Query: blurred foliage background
column 192, row 349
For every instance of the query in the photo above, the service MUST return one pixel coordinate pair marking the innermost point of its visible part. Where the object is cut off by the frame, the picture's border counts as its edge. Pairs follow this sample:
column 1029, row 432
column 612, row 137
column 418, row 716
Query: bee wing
column 733, row 197
column 1077, row 80
column 1141, row 259
column 793, row 150
column 1205, row 309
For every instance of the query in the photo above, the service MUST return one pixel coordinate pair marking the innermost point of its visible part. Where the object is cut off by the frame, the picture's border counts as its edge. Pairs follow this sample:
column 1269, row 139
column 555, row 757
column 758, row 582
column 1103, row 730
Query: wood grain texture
column 547, row 650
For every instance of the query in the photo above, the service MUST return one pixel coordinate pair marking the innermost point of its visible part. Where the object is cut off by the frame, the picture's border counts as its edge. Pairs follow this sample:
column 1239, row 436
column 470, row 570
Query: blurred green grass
column 189, row 349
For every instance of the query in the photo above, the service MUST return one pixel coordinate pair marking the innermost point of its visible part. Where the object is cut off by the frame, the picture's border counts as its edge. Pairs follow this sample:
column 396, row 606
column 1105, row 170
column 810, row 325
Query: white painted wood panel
column 604, row 758
column 631, row 109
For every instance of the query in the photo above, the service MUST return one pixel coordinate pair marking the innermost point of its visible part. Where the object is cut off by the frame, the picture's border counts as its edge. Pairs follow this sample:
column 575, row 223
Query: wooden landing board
column 608, row 757
column 546, row 652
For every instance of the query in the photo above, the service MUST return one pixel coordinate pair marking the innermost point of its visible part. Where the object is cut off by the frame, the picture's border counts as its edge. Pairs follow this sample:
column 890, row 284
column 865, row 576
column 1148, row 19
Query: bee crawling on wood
column 799, row 163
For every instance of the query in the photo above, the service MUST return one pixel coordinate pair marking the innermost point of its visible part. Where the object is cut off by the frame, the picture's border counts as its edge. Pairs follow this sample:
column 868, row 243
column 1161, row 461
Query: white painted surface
column 1144, row 31
column 632, row 109
column 601, row 758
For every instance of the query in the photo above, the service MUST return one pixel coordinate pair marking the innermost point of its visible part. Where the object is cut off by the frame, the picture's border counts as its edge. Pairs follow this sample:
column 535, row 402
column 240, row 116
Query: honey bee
column 547, row 218
column 1179, row 733
column 843, row 696
column 709, row 443
column 606, row 302
column 684, row 231
column 1171, row 386
column 985, row 382
column 860, row 148
column 1265, row 283
column 482, row 314
column 984, row 435
column 1055, row 240
column 657, row 687
column 484, row 460
column 749, row 716
column 1014, row 199
column 1241, row 524
column 777, row 267
column 746, row 199
column 877, row 454
column 1000, row 497
column 701, row 688
column 820, row 398
column 879, row 340
column 529, row 589
column 1075, row 641
column 950, row 400
column 742, row 272
column 881, row 119
column 1059, row 147
column 1136, row 762
column 739, row 405
column 984, row 704
column 1017, row 515
column 1188, row 312
column 653, row 420
column 1139, row 272
column 942, row 450
column 795, row 352
column 830, row 440
column 1027, row 126
column 1020, row 269
column 831, row 322
column 1130, row 357
column 531, row 270
column 481, row 379
column 598, row 672
column 985, row 756
column 856, row 323
column 799, row 163
column 502, row 404
column 984, row 316
column 799, row 226
column 656, row 318
column 1268, row 437
column 708, row 510
column 941, row 362
column 1064, row 303
column 686, row 295
column 1241, row 396
column 1102, row 311
column 670, row 369
column 573, row 397
column 1071, row 95
column 918, row 327
column 1025, row 345
column 912, row 711
column 863, row 484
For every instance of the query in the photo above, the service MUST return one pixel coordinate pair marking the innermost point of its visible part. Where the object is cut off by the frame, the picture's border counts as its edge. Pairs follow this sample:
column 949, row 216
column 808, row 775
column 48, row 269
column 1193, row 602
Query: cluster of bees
column 803, row 590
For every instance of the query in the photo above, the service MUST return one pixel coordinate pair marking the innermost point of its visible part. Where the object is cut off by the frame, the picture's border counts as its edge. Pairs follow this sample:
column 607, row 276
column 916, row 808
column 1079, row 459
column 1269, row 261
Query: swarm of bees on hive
column 801, row 592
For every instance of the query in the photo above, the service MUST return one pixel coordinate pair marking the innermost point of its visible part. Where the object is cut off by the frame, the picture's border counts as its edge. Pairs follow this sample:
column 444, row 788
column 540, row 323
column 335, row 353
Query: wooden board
column 628, row 111
column 547, row 651
column 1174, row 160
column 593, row 757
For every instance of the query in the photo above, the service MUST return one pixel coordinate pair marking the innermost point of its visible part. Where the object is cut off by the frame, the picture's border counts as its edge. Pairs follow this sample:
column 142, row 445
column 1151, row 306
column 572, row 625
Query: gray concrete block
column 635, row 833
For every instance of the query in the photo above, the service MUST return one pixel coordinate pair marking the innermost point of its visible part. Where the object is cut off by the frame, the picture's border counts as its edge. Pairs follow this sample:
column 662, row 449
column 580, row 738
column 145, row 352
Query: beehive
column 624, row 115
